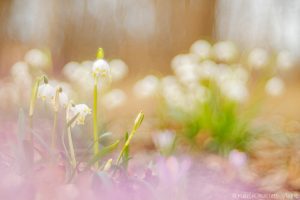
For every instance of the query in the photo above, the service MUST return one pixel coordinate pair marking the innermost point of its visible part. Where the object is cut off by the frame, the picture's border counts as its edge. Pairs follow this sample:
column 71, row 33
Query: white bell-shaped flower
column 101, row 68
column 46, row 92
column 81, row 110
column 63, row 99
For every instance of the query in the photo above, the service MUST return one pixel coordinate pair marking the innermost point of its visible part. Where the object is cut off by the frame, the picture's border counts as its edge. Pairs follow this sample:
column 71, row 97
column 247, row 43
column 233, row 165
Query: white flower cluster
column 34, row 61
column 218, row 65
column 56, row 97
column 48, row 93
column 82, row 75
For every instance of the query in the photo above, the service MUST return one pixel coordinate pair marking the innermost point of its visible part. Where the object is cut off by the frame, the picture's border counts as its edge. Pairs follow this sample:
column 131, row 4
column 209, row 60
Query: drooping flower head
column 46, row 92
column 60, row 99
column 80, row 111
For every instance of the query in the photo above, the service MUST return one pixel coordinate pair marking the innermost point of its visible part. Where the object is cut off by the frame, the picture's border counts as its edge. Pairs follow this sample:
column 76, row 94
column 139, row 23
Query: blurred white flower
column 241, row 73
column 164, row 140
column 183, row 59
column 81, row 110
column 146, row 87
column 285, row 60
column 197, row 93
column 83, row 78
column 119, row 69
column 46, row 92
column 114, row 98
column 21, row 76
column 186, row 73
column 19, row 69
column 173, row 93
column 101, row 68
column 201, row 48
column 235, row 72
column 37, row 59
column 88, row 64
column 207, row 70
column 225, row 51
column 258, row 58
column 274, row 86
column 235, row 90
column 69, row 69
column 8, row 96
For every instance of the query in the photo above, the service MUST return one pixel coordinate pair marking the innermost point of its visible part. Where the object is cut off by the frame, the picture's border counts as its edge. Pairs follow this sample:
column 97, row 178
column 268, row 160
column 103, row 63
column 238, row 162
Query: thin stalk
column 54, row 136
column 95, row 121
column 71, row 148
column 32, row 105
column 56, row 108
column 33, row 98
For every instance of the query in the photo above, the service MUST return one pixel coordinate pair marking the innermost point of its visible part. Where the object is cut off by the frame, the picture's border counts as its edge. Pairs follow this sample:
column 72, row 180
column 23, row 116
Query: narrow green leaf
column 103, row 152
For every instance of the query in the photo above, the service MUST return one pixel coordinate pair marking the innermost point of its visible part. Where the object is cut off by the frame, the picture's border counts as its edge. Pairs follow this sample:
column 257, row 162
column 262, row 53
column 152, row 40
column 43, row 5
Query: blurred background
column 146, row 34
column 151, row 37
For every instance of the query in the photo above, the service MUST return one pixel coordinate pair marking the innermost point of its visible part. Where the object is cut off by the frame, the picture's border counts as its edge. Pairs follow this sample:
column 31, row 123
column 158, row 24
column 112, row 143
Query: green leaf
column 103, row 152
column 126, row 151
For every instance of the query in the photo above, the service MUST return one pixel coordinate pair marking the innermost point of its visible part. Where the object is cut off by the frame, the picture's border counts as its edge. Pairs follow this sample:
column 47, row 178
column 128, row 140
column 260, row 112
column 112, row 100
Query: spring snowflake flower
column 173, row 93
column 207, row 70
column 285, row 60
column 46, row 92
column 258, row 58
column 114, row 98
column 119, row 69
column 19, row 69
column 146, row 87
column 201, row 48
column 101, row 68
column 225, row 51
column 186, row 73
column 81, row 110
column 36, row 58
column 183, row 59
column 69, row 70
column 235, row 90
column 21, row 75
column 274, row 86
column 63, row 99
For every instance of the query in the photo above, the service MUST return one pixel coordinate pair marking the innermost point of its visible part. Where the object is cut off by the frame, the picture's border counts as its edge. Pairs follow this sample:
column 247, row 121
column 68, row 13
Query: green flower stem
column 53, row 138
column 95, row 121
column 71, row 148
column 32, row 105
column 137, row 124
column 56, row 108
